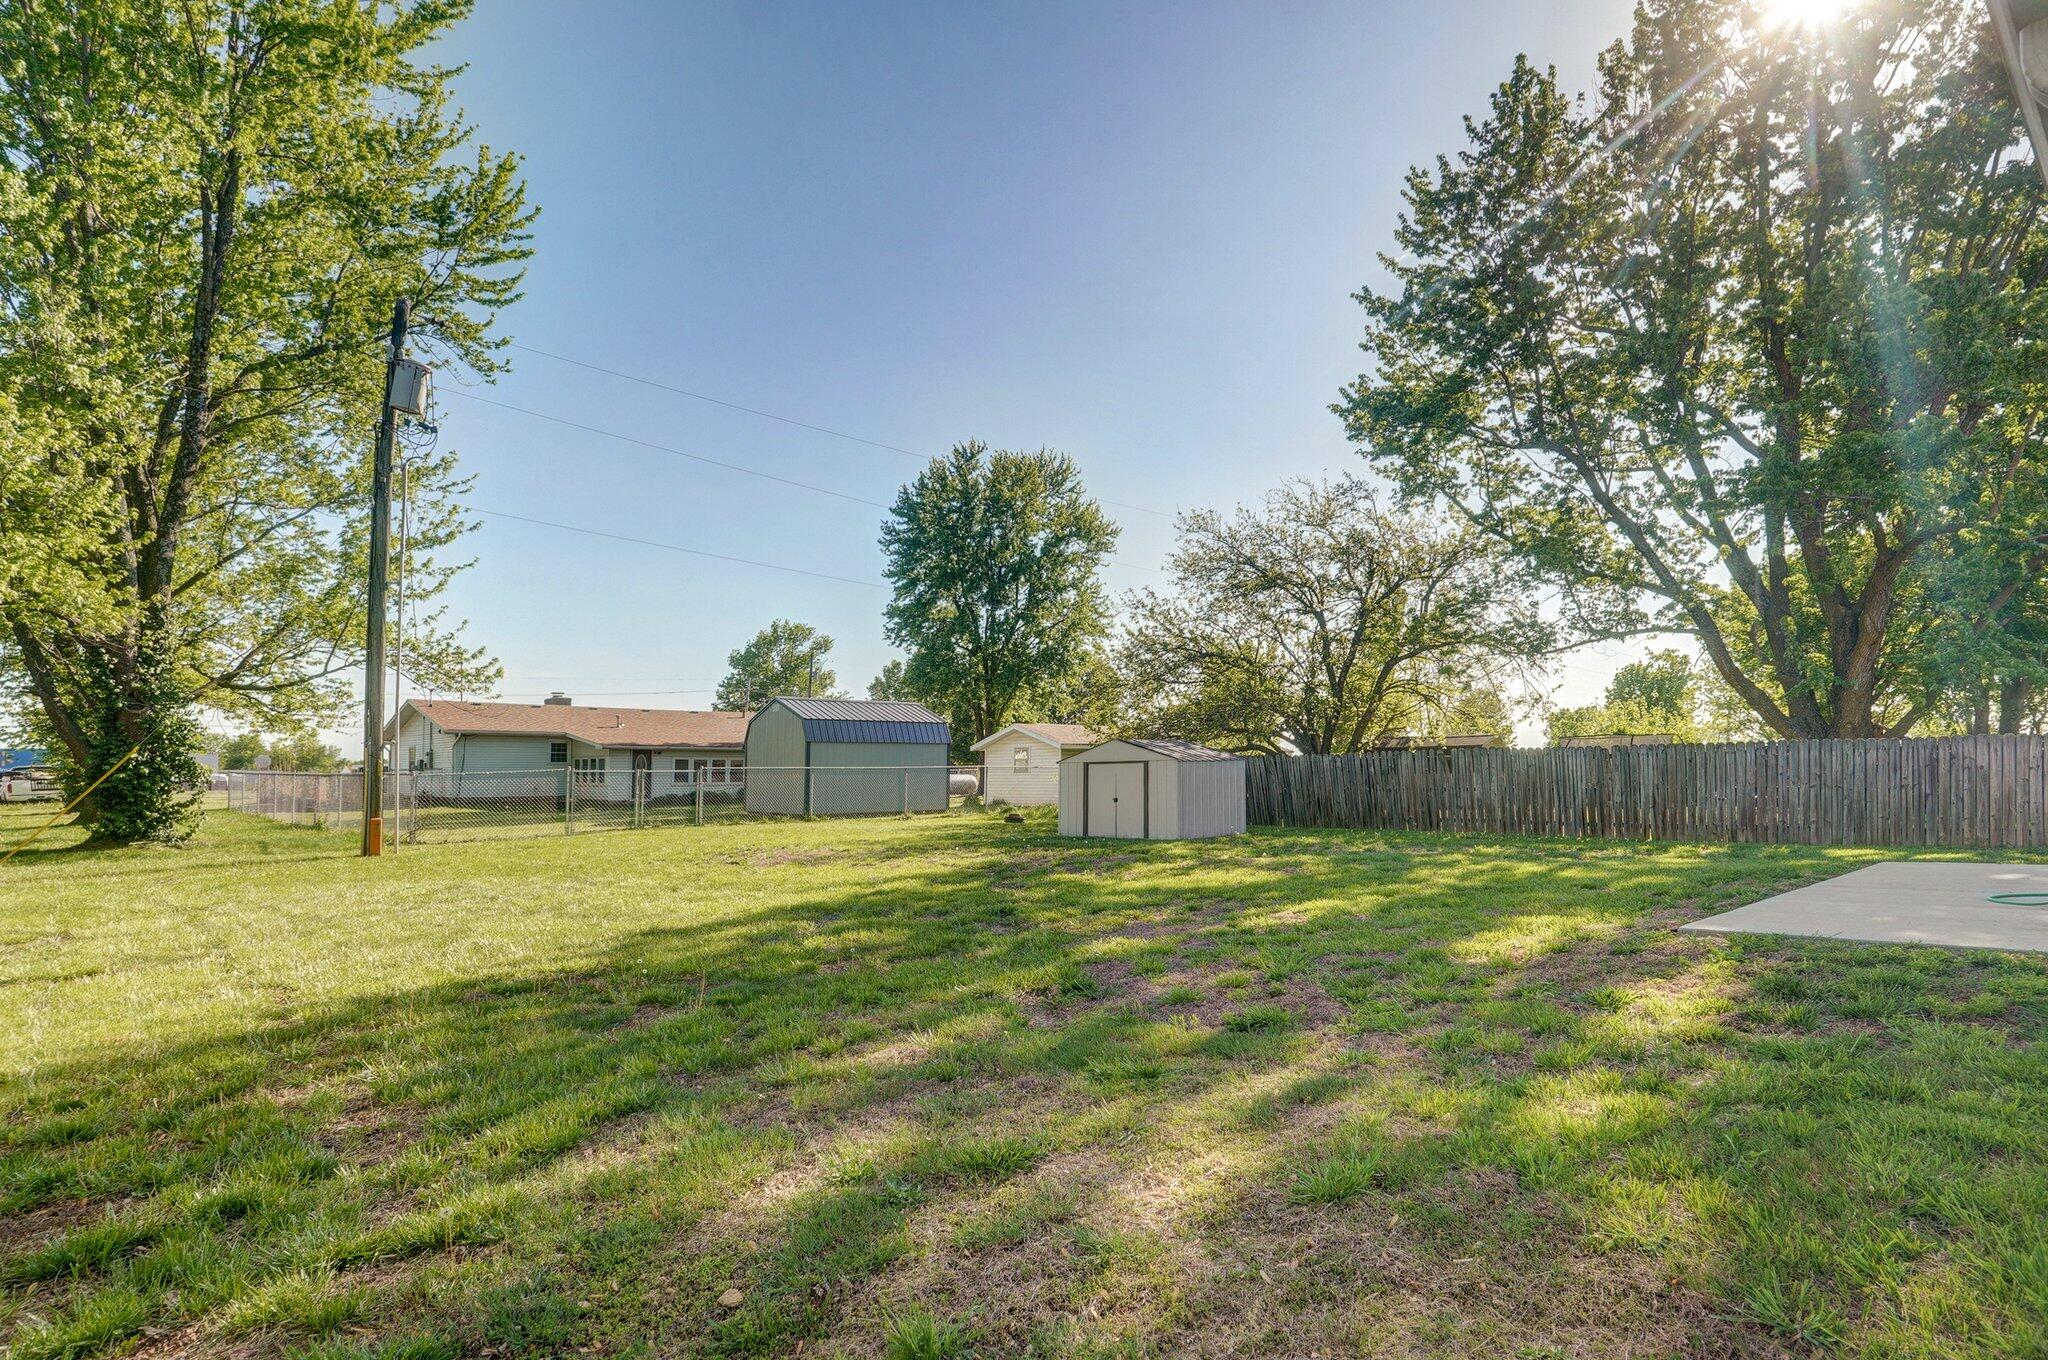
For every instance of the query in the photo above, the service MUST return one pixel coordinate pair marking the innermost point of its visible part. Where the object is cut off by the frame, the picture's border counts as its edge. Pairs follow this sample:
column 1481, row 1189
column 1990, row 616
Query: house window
column 682, row 774
column 558, row 753
column 590, row 769
column 1020, row 760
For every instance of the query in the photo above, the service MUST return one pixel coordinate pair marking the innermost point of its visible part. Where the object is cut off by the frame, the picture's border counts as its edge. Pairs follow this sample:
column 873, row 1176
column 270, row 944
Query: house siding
column 1037, row 787
column 428, row 742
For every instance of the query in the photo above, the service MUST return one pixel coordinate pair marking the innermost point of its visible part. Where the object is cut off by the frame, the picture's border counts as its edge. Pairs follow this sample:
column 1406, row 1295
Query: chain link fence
column 451, row 805
column 320, row 801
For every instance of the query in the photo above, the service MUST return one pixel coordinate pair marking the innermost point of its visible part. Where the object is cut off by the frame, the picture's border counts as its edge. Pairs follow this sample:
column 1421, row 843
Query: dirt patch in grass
column 1648, row 950
column 1117, row 982
column 28, row 1230
column 769, row 859
column 1309, row 1006
column 368, row 1133
column 1144, row 1250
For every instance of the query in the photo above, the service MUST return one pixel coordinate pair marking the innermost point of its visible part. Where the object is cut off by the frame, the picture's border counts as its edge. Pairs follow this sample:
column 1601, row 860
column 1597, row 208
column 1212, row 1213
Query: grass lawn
column 949, row 1086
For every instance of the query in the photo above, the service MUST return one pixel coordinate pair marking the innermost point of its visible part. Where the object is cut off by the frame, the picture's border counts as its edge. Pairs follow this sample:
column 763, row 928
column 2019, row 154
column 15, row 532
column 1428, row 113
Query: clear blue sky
column 1129, row 233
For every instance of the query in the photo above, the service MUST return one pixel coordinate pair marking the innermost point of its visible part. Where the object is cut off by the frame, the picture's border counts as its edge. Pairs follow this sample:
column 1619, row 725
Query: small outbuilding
column 832, row 757
column 1020, row 764
column 1151, row 789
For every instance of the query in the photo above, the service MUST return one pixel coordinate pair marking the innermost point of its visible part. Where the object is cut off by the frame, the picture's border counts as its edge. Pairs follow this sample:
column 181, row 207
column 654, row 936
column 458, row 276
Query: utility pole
column 380, row 550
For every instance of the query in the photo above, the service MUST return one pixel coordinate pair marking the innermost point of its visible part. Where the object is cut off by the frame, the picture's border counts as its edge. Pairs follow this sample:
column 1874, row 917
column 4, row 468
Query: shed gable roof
column 1179, row 750
column 870, row 720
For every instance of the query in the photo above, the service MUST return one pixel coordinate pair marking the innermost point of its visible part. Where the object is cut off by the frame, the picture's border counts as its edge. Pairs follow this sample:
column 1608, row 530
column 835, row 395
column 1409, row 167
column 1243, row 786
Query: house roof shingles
column 1063, row 734
column 1059, row 734
column 596, row 726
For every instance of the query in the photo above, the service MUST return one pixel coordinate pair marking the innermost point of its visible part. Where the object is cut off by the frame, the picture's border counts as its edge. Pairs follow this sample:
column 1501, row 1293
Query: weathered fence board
column 1983, row 792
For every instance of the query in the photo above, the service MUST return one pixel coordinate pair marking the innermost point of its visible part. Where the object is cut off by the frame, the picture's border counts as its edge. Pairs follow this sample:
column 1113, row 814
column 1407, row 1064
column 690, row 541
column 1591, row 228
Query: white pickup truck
column 21, row 786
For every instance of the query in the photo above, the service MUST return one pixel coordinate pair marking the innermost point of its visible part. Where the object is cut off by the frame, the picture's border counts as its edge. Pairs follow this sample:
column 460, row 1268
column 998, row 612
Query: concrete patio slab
column 1914, row 902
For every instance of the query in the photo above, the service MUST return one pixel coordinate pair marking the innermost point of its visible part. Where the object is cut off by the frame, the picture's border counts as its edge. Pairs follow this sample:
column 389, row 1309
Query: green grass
column 953, row 1086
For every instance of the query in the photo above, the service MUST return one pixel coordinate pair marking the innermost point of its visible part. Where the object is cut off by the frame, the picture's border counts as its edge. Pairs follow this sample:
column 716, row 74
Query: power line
column 677, row 547
column 716, row 401
column 770, row 415
column 602, row 693
column 700, row 458
column 664, row 448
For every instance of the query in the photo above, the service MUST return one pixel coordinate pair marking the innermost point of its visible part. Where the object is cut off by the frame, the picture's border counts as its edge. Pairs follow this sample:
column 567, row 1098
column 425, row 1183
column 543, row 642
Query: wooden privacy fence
column 1987, row 792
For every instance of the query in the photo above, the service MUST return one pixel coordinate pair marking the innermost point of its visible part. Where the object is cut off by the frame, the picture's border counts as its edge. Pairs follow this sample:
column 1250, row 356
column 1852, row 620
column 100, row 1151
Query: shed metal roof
column 879, row 720
column 1178, row 750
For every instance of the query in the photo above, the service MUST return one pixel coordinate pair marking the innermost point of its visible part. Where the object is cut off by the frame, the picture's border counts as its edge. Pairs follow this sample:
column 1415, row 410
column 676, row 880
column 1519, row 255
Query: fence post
column 810, row 790
column 699, row 796
column 906, row 790
column 569, row 801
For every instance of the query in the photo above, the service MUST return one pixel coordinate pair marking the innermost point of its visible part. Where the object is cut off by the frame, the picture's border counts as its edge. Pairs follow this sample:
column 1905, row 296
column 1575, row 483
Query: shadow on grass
column 1055, row 1096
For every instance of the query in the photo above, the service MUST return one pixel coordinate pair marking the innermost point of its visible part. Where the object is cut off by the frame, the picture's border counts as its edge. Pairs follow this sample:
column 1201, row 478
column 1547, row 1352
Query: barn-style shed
column 829, row 757
column 1151, row 789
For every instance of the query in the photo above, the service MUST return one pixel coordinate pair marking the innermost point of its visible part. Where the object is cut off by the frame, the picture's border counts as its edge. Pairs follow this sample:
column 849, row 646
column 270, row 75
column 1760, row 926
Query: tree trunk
column 2015, row 697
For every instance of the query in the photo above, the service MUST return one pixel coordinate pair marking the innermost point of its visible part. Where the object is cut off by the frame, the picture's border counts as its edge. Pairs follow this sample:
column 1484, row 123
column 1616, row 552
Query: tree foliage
column 890, row 684
column 240, row 751
column 778, row 661
column 1667, row 693
column 998, row 603
column 1748, row 347
column 1322, row 623
column 206, row 210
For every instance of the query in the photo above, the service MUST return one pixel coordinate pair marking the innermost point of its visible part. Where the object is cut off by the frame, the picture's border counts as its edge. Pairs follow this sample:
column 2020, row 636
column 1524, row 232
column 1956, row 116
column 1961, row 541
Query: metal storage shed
column 823, row 757
column 1151, row 790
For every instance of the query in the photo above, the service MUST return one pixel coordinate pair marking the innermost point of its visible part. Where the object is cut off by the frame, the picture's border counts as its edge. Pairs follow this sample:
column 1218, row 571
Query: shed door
column 1116, row 799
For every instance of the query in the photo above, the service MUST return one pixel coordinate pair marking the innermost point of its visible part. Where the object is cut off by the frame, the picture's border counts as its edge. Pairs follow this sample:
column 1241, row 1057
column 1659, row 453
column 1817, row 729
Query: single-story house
column 825, row 757
column 461, row 749
column 1020, row 764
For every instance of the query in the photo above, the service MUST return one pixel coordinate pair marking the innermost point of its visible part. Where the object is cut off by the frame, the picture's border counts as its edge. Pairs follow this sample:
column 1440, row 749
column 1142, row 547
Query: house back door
column 643, row 777
column 1116, row 800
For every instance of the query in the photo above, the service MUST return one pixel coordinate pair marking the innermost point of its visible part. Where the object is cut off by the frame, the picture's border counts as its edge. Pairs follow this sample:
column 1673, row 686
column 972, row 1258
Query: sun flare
column 1806, row 14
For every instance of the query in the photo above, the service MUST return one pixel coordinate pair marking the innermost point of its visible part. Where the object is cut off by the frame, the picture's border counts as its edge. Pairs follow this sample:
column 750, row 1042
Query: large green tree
column 1321, row 623
column 1749, row 346
column 995, row 558
column 783, row 658
column 206, row 210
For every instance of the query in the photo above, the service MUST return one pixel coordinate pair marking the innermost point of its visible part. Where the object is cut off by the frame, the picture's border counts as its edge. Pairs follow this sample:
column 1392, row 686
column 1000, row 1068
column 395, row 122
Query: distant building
column 1456, row 741
column 1608, row 739
column 1021, row 763
column 666, row 752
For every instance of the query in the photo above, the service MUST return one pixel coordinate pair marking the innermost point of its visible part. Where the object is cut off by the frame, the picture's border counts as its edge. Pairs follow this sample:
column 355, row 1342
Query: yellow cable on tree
column 70, row 805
